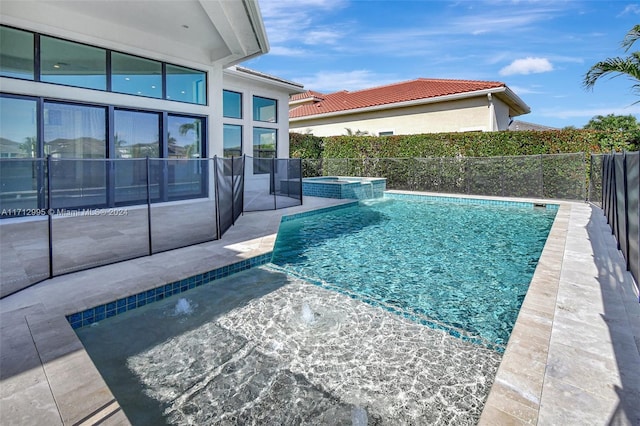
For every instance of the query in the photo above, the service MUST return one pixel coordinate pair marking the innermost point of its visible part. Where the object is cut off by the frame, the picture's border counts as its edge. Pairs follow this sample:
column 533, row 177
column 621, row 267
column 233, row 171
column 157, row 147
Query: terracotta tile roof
column 420, row 88
column 306, row 95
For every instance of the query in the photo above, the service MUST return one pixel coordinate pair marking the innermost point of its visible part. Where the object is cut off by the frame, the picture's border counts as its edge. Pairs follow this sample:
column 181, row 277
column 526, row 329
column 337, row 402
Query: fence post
column 273, row 182
column 541, row 159
column 626, row 209
column 233, row 198
column 149, row 205
column 49, row 213
column 215, row 192
column 584, row 194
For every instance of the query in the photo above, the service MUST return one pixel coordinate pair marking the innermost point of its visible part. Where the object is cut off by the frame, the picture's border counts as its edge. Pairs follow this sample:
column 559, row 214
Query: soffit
column 205, row 31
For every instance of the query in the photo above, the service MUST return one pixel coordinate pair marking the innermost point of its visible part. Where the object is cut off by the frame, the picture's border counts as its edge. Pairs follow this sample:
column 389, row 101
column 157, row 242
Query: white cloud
column 290, row 21
column 631, row 9
column 527, row 66
column 333, row 81
column 286, row 51
column 520, row 90
column 325, row 36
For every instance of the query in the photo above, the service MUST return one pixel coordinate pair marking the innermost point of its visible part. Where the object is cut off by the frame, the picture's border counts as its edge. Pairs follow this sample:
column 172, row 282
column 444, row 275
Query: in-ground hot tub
column 359, row 188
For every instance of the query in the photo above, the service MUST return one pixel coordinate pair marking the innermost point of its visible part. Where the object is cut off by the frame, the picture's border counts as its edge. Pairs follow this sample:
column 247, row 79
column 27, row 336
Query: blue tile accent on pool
column 120, row 306
column 461, row 200
column 317, row 211
column 344, row 187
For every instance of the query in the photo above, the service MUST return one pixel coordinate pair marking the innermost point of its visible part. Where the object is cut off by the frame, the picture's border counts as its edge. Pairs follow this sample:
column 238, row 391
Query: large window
column 231, row 104
column 185, row 137
column 136, row 134
column 74, row 131
column 78, row 139
column 80, row 65
column 264, row 147
column 73, row 64
column 264, row 109
column 186, row 85
column 75, row 136
column 16, row 53
column 18, row 128
column 18, row 139
column 232, row 140
column 136, row 76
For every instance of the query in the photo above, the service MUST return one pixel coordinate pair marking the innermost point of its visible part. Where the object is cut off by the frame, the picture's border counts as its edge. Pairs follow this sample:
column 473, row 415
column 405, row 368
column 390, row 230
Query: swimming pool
column 359, row 188
column 266, row 346
column 464, row 267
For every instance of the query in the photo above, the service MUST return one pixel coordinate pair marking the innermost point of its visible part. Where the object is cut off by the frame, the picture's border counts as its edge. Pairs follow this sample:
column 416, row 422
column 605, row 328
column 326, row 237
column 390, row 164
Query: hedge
column 469, row 144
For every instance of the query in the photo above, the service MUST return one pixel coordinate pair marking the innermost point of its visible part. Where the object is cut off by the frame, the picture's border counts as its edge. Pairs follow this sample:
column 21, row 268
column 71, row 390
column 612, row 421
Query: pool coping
column 517, row 388
column 48, row 365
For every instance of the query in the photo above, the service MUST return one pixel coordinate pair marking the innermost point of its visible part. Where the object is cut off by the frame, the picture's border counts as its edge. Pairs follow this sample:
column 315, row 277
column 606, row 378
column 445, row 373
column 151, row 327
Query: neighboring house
column 115, row 79
column 417, row 106
column 517, row 125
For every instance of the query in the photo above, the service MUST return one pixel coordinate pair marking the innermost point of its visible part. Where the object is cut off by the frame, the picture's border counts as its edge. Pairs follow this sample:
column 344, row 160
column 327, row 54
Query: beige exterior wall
column 452, row 116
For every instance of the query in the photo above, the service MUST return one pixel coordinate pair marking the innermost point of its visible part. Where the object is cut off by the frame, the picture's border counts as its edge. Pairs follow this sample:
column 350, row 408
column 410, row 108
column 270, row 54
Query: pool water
column 464, row 268
column 277, row 344
column 263, row 348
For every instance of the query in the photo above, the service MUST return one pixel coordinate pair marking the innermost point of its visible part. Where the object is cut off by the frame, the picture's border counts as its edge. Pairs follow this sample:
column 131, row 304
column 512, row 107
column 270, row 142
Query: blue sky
column 540, row 49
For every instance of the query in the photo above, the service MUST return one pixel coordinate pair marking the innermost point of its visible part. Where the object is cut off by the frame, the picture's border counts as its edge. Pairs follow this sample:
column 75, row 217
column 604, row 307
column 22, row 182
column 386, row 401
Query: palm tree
column 629, row 65
column 193, row 150
column 30, row 146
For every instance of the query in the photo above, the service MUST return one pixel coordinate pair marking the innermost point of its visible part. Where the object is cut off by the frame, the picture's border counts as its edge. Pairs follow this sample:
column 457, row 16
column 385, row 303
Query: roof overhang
column 516, row 105
column 243, row 73
column 203, row 31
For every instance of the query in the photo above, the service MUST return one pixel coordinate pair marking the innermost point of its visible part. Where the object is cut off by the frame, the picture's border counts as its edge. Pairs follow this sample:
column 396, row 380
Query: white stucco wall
column 501, row 113
column 452, row 116
column 49, row 20
column 253, row 86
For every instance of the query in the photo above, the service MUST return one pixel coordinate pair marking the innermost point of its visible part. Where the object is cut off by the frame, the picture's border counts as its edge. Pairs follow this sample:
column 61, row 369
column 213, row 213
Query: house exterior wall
column 236, row 82
column 471, row 114
column 63, row 23
column 154, row 50
column 501, row 114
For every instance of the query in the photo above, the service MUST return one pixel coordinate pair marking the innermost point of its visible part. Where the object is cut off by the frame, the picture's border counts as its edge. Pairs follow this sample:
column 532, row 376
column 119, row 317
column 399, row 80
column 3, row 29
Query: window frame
column 254, row 109
column 241, row 127
column 241, row 102
column 34, row 50
column 164, row 195
column 107, row 54
column 37, row 52
column 111, row 74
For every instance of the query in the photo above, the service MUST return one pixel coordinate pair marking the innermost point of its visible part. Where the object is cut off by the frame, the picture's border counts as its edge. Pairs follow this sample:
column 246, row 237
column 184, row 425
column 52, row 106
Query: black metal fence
column 66, row 215
column 558, row 176
column 616, row 188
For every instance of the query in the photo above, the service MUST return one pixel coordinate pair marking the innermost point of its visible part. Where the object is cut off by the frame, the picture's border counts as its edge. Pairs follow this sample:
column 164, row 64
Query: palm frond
column 617, row 66
column 632, row 36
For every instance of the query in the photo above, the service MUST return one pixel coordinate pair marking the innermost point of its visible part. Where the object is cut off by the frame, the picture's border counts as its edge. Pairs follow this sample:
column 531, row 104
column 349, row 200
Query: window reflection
column 264, row 146
column 74, row 131
column 73, row 64
column 18, row 128
column 264, row 109
column 232, row 140
column 16, row 53
column 136, row 76
column 186, row 85
column 231, row 104
column 184, row 138
column 75, row 137
column 136, row 134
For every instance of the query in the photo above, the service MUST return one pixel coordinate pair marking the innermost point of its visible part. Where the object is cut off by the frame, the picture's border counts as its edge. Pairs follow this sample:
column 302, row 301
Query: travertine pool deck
column 573, row 357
